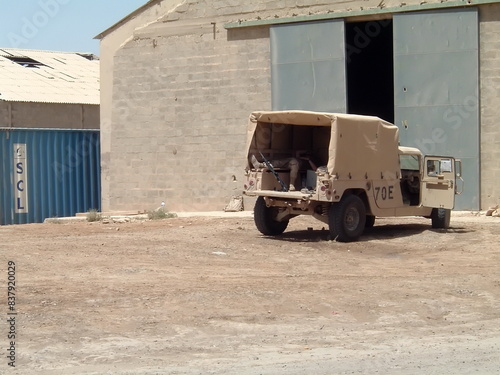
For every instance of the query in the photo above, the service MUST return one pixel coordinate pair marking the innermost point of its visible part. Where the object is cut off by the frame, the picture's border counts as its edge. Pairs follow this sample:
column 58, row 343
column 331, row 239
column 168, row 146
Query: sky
column 60, row 25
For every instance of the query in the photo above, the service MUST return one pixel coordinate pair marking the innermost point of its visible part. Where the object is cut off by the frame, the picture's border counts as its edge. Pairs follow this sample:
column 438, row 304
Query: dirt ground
column 212, row 296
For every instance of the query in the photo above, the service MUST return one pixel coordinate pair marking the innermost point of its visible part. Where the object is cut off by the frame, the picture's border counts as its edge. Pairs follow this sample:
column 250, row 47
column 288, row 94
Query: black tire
column 264, row 218
column 347, row 219
column 440, row 218
column 370, row 221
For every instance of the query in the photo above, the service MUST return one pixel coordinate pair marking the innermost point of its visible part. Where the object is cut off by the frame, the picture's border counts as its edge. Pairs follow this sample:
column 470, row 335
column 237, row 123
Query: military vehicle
column 344, row 170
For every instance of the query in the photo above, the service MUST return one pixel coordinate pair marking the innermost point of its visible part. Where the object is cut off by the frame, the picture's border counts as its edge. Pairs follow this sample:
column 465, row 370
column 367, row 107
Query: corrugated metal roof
column 48, row 77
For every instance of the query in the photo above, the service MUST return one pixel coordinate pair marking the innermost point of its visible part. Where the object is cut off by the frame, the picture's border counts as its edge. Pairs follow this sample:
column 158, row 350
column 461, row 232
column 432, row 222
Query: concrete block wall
column 4, row 114
column 180, row 109
column 234, row 10
column 49, row 115
column 182, row 89
column 489, row 56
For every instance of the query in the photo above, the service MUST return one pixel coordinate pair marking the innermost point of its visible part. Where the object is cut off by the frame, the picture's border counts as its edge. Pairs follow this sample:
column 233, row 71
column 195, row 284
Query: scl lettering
column 20, row 185
column 20, row 168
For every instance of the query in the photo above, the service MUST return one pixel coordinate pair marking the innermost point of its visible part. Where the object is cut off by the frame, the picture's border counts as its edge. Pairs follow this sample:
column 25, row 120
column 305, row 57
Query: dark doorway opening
column 370, row 68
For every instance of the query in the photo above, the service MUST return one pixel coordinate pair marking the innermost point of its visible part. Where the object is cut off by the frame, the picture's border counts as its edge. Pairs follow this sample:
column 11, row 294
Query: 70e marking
column 385, row 192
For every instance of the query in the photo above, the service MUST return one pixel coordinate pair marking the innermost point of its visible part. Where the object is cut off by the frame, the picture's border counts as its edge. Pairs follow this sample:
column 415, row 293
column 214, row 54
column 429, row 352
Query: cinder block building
column 179, row 79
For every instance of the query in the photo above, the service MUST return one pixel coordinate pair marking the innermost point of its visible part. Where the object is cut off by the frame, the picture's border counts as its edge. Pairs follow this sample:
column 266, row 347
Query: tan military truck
column 344, row 170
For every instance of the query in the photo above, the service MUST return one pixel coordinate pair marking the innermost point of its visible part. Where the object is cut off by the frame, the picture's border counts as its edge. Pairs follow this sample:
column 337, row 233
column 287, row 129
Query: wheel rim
column 351, row 219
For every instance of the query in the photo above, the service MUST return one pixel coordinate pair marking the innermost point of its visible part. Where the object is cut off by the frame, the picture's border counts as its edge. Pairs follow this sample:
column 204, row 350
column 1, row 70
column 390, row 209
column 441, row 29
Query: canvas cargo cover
column 360, row 147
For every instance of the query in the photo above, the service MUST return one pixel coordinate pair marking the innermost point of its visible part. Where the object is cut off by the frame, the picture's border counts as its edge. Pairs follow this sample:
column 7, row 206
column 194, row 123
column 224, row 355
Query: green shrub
column 93, row 215
column 53, row 220
column 160, row 214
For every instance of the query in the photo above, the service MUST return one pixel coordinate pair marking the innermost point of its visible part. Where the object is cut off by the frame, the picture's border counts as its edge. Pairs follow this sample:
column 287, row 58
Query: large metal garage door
column 308, row 66
column 436, row 89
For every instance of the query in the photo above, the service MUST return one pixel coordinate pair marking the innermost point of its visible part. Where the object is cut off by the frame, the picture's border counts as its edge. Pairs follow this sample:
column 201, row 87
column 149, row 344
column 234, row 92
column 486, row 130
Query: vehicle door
column 438, row 182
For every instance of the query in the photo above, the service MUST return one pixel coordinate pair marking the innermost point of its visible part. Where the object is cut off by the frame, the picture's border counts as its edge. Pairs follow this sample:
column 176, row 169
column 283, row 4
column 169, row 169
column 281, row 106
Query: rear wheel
column 440, row 218
column 347, row 219
column 265, row 219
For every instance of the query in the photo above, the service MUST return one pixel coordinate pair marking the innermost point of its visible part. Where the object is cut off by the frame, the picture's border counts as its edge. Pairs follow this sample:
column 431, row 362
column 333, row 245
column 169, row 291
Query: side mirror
column 458, row 168
column 458, row 174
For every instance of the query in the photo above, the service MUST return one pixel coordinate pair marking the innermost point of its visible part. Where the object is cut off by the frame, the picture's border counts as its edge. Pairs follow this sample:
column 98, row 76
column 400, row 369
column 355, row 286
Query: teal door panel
column 308, row 66
column 439, row 130
column 436, row 89
column 435, row 31
column 468, row 165
column 432, row 82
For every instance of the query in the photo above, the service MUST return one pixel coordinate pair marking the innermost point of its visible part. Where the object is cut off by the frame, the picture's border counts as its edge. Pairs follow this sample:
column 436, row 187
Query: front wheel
column 347, row 219
column 440, row 218
column 265, row 219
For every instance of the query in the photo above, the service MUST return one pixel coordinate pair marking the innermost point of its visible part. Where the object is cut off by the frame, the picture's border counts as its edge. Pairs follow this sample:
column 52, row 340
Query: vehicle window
column 433, row 168
column 409, row 162
column 437, row 167
column 446, row 165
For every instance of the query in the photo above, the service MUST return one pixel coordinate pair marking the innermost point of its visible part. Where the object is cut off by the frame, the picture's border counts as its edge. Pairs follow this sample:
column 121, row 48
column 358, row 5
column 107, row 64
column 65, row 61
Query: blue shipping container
column 48, row 173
